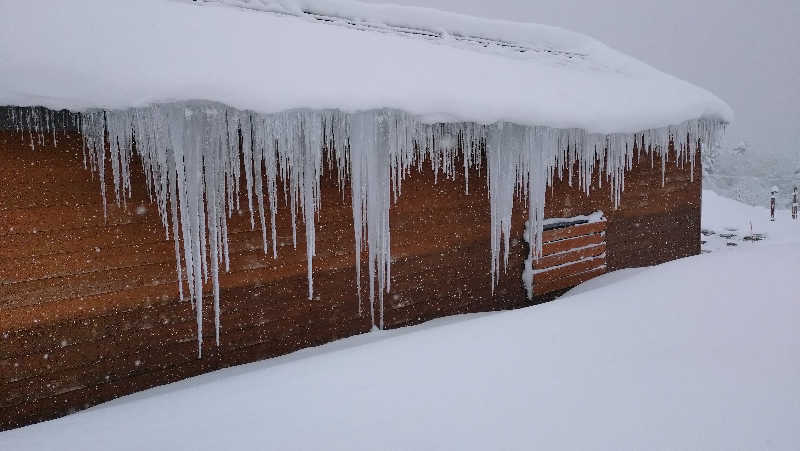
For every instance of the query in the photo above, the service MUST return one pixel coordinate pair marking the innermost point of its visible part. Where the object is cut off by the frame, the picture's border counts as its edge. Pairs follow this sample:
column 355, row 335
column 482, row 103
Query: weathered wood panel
column 570, row 255
column 89, row 307
column 569, row 281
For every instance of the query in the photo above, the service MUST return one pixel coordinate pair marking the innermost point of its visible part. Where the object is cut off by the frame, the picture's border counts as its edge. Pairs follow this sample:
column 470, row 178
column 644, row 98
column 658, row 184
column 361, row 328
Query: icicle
column 259, row 143
column 504, row 149
column 361, row 141
column 245, row 131
column 311, row 157
column 271, row 165
column 192, row 154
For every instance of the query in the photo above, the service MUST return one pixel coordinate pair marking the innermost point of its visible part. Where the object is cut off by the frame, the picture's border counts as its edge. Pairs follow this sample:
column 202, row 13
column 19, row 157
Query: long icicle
column 192, row 153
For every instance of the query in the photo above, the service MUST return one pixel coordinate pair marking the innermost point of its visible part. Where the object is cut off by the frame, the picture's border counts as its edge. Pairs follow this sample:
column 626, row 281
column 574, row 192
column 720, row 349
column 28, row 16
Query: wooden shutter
column 573, row 251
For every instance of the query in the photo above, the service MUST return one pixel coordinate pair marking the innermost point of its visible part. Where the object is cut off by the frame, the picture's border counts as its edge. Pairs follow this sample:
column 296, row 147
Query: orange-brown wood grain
column 89, row 306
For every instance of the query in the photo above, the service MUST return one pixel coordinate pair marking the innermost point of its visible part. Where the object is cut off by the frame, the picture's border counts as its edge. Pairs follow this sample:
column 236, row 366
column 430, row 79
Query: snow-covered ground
column 699, row 353
column 729, row 224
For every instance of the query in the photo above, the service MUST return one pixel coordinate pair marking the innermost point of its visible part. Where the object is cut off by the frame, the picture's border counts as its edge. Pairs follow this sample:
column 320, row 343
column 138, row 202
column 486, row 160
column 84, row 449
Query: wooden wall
column 89, row 308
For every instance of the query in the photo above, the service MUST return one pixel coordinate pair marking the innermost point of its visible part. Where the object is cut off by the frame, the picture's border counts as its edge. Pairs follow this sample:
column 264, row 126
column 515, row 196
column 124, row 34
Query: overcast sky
column 745, row 51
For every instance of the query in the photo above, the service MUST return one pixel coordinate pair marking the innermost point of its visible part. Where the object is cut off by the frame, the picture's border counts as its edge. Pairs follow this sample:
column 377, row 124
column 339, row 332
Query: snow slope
column 116, row 54
column 699, row 353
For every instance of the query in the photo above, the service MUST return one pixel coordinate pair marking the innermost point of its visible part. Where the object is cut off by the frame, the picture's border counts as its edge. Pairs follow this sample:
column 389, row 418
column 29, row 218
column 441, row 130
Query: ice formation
column 193, row 154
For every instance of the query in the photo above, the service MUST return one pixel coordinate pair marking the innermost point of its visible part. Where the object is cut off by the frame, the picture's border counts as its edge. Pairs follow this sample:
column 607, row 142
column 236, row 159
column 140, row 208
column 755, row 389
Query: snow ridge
column 192, row 154
column 505, row 37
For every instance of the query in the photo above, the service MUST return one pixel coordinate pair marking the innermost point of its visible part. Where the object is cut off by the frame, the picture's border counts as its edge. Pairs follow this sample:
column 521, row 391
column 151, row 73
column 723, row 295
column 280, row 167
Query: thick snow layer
column 699, row 353
column 426, row 23
column 116, row 54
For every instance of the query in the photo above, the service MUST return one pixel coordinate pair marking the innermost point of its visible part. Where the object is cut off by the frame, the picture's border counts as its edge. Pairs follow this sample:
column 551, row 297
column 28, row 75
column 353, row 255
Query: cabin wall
column 654, row 223
column 89, row 307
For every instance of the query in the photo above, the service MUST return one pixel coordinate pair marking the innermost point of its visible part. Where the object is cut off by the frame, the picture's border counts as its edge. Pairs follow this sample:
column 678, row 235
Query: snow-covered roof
column 276, row 55
column 423, row 23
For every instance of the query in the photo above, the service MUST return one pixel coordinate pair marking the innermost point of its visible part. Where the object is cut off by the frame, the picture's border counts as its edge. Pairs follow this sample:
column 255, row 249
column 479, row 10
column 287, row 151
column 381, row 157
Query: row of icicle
column 195, row 156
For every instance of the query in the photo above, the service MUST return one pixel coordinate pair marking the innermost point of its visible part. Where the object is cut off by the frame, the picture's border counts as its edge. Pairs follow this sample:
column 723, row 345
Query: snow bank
column 699, row 353
column 116, row 54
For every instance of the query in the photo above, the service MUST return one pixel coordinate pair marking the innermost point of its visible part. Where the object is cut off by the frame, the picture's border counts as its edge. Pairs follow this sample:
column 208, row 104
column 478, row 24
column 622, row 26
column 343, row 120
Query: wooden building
column 89, row 301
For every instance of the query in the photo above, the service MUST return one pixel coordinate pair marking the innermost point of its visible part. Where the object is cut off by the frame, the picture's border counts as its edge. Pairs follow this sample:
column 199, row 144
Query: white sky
column 745, row 51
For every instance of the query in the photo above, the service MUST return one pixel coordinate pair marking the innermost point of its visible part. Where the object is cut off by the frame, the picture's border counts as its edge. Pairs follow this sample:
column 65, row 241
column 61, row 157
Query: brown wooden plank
column 92, row 293
column 111, row 362
column 247, row 307
column 53, row 406
column 573, row 231
column 43, row 291
column 568, row 270
column 150, row 313
column 572, row 243
column 106, row 259
column 566, row 282
column 36, row 220
column 76, row 240
column 247, row 312
column 246, row 317
column 569, row 256
column 50, row 187
column 51, row 242
column 246, row 255
column 60, row 265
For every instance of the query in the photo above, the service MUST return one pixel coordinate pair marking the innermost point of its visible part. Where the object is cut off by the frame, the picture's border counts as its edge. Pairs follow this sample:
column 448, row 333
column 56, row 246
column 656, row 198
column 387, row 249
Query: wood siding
column 89, row 307
column 570, row 255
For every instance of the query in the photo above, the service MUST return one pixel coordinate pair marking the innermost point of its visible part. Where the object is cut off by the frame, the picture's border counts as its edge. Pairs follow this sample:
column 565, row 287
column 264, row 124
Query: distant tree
column 709, row 158
column 797, row 171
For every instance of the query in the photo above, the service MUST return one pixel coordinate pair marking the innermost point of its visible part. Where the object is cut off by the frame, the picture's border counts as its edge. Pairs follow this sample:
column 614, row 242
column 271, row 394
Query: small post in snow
column 772, row 193
column 794, row 204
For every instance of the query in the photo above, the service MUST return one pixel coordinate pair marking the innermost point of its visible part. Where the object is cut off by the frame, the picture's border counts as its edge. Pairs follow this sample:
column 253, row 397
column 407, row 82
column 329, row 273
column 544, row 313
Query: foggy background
column 745, row 52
